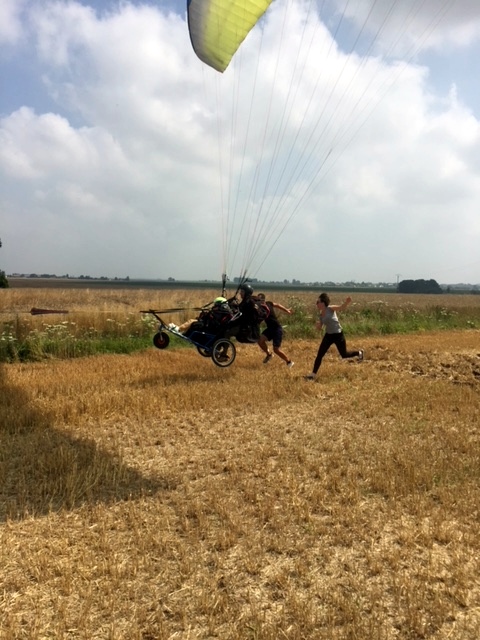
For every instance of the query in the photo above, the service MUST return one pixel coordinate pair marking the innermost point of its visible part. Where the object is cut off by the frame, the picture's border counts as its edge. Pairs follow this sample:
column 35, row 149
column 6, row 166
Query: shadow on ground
column 43, row 469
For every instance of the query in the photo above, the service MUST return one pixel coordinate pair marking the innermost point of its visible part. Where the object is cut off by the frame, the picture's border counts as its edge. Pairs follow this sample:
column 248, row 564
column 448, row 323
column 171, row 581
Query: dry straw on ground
column 156, row 496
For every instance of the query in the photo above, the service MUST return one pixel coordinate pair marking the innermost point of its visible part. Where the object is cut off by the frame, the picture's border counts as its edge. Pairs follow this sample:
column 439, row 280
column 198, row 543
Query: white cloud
column 409, row 26
column 11, row 30
column 125, row 178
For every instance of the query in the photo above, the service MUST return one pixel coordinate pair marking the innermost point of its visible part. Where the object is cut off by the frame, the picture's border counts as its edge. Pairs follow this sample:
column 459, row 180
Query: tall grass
column 110, row 322
column 408, row 316
column 83, row 334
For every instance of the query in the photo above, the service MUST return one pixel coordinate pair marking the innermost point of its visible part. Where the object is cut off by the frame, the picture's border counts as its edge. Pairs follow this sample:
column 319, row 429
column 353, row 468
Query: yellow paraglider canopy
column 218, row 27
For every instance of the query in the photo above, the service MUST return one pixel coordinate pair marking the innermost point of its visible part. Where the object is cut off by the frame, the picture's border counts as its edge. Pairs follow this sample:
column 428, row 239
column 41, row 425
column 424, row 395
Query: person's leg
column 262, row 343
column 341, row 345
column 277, row 343
column 322, row 350
column 281, row 354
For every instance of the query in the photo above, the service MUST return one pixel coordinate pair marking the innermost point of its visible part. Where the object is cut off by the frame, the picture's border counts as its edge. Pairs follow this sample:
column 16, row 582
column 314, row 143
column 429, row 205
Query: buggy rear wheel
column 203, row 351
column 161, row 340
column 223, row 352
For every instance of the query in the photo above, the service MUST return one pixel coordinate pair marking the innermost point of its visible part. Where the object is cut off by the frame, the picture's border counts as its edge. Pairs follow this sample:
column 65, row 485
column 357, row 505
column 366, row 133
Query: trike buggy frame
column 209, row 345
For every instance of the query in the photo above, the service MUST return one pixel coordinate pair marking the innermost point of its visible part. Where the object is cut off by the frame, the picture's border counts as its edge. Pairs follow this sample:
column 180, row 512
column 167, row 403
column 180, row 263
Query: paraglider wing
column 287, row 110
column 218, row 27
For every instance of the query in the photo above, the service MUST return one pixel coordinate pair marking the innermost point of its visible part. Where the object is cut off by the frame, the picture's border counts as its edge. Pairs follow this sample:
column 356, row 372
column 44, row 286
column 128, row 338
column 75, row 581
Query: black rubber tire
column 223, row 352
column 161, row 340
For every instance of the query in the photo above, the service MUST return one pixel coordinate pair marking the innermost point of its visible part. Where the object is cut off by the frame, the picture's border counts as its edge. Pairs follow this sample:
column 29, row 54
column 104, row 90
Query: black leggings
column 338, row 339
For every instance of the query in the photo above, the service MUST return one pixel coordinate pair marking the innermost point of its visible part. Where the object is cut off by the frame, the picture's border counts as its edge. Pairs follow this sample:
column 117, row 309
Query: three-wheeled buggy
column 207, row 334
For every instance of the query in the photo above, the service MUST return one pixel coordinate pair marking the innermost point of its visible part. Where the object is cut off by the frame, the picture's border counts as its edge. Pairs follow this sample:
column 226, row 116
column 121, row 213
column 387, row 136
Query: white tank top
column 330, row 322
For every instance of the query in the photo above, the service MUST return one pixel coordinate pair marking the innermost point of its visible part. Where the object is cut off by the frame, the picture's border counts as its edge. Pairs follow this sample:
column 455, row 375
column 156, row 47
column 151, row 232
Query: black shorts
column 275, row 334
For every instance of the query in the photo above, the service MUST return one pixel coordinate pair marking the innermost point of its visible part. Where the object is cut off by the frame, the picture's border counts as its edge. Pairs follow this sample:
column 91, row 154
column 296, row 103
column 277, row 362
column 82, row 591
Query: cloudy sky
column 337, row 146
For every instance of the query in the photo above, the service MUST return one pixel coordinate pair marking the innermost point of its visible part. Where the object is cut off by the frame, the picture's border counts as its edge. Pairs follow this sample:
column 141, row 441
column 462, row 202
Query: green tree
column 419, row 286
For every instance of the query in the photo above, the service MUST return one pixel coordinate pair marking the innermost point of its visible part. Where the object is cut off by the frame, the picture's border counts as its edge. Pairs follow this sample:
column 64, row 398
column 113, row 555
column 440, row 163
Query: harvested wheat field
column 154, row 495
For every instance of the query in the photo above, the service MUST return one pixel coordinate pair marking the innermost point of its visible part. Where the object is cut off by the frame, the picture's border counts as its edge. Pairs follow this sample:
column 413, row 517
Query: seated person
column 212, row 320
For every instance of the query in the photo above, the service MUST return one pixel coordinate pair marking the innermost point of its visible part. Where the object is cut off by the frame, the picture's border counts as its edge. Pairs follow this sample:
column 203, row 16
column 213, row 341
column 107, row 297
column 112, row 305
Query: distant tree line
column 419, row 286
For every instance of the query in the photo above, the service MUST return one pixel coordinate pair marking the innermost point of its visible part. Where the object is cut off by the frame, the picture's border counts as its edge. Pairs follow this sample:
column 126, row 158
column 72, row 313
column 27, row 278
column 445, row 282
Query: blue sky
column 337, row 146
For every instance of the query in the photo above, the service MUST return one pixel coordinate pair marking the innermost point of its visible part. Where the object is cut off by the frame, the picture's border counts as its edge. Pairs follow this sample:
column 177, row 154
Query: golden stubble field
column 156, row 496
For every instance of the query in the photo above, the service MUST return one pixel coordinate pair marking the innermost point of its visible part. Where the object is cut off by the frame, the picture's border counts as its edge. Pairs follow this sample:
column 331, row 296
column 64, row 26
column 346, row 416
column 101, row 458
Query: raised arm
column 341, row 307
column 282, row 308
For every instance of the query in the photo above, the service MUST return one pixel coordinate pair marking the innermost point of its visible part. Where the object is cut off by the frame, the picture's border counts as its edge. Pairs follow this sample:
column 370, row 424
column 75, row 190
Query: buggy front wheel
column 161, row 340
column 223, row 352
